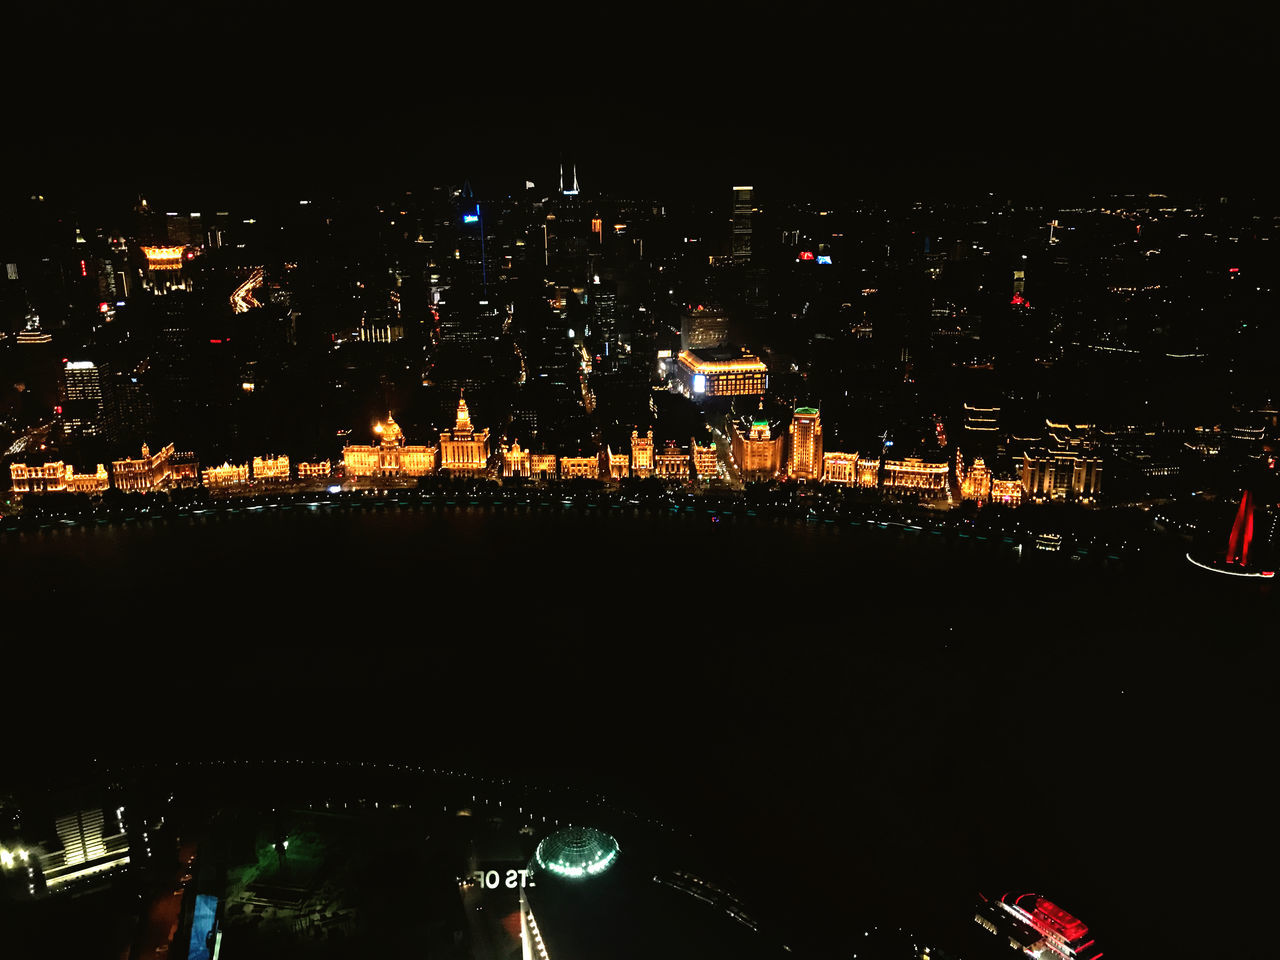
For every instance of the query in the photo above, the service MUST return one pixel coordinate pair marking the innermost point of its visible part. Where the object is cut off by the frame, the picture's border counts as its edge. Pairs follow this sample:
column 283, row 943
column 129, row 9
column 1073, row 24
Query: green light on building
column 577, row 852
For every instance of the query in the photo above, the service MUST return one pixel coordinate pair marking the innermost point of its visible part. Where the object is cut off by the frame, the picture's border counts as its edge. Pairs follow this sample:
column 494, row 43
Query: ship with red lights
column 1037, row 927
column 1236, row 561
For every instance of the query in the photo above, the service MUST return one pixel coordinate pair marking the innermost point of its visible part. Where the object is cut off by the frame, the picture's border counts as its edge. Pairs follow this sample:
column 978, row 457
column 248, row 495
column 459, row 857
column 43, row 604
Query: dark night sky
column 651, row 99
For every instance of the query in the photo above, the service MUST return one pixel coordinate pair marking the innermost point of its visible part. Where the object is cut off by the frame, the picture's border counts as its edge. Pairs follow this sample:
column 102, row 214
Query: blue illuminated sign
column 822, row 259
column 470, row 217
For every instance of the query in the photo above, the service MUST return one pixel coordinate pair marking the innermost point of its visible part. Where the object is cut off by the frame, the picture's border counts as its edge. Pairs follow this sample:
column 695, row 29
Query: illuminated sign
column 699, row 383
column 664, row 354
column 805, row 255
column 492, row 880
column 824, row 259
column 80, row 365
column 104, row 307
column 470, row 218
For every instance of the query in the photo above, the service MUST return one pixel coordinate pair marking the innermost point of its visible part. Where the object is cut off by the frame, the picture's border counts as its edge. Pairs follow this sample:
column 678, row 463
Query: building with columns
column 464, row 449
column 392, row 457
column 804, row 459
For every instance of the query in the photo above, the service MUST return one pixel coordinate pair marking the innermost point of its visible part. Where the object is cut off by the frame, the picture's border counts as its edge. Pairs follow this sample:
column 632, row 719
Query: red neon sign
column 1233, row 270
column 104, row 307
column 1018, row 301
column 805, row 255
column 84, row 270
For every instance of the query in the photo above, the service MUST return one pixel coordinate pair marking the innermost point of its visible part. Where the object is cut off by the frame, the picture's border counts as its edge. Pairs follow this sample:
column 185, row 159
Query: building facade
column 464, row 449
column 152, row 471
column 1061, row 474
column 227, row 475
column 641, row 454
column 55, row 477
column 916, row 475
column 720, row 373
column 391, row 458
column 271, row 468
column 756, row 451
column 804, row 458
column 840, row 468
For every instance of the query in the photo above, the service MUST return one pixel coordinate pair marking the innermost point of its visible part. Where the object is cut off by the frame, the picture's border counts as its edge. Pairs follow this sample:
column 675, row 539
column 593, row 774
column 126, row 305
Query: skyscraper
column 804, row 461
column 743, row 208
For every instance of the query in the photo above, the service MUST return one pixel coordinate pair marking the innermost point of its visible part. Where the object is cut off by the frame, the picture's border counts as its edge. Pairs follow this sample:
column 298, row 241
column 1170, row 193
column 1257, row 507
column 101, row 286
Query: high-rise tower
column 804, row 461
column 743, row 208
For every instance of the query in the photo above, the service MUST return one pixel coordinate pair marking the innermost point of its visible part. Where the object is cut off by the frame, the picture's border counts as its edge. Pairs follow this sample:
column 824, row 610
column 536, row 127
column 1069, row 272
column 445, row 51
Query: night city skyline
column 595, row 483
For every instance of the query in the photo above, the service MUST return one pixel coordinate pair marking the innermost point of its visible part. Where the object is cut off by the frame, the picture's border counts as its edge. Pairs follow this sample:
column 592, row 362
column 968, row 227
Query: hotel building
column 151, row 472
column 314, row 471
column 720, row 373
column 619, row 464
column 542, row 466
column 975, row 484
column 804, row 459
column 390, row 458
column 1006, row 492
column 464, row 448
column 756, row 451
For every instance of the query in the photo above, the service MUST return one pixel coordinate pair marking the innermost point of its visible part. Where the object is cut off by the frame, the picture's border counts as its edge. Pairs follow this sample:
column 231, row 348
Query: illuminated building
column 840, row 468
column 869, row 470
column 1059, row 474
column 391, row 458
column 86, row 851
column 314, row 471
column 515, row 462
column 804, row 456
column 1006, row 492
column 56, row 477
column 164, row 268
column 271, row 468
column 163, row 258
column 227, row 475
column 743, row 208
column 151, row 472
column 916, row 475
column 976, row 483
column 706, row 464
column 542, row 466
column 702, row 328
column 184, row 469
column 464, row 448
column 579, row 467
column 720, row 373
column 981, row 419
column 83, row 407
column 619, row 464
column 1037, row 927
column 757, row 453
column 671, row 463
column 641, row 454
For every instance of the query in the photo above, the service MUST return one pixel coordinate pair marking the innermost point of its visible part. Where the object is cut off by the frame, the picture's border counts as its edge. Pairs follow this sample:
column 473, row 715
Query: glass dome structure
column 576, row 852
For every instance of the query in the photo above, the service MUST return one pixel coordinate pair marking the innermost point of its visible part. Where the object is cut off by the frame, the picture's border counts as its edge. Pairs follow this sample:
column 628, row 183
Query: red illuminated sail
column 1241, row 532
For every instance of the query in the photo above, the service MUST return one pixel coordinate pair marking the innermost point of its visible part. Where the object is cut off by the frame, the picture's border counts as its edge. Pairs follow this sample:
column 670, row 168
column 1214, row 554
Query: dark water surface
column 860, row 723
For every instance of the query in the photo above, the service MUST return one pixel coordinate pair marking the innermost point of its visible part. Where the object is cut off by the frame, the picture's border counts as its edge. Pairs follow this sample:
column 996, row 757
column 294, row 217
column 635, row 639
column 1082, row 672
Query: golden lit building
column 804, row 460
column 1060, row 474
column 56, row 477
column 706, row 464
column 579, row 467
column 515, row 462
column 391, row 458
column 916, row 475
column 641, row 454
column 869, row 470
column 271, row 468
column 976, row 482
column 1006, row 492
column 757, row 453
column 619, row 464
column 464, row 448
column 671, row 463
column 840, row 468
column 542, row 466
column 227, row 475
column 314, row 471
column 151, row 472
column 163, row 258
column 721, row 373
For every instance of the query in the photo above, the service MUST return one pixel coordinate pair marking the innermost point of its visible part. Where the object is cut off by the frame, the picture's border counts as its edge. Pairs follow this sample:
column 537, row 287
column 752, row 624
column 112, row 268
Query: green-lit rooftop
column 806, row 411
column 577, row 852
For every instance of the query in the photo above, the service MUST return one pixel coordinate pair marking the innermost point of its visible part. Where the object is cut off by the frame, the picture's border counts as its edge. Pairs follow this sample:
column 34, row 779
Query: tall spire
column 1241, row 532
